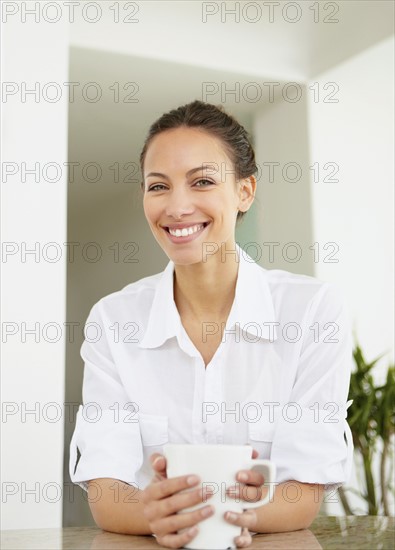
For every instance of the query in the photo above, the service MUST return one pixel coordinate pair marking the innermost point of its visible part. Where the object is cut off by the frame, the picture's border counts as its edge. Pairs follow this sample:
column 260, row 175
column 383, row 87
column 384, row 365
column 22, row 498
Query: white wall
column 274, row 40
column 34, row 291
column 357, row 212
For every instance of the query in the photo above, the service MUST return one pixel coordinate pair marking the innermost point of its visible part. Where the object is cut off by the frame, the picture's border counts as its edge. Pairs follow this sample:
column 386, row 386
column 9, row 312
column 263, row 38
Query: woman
column 215, row 349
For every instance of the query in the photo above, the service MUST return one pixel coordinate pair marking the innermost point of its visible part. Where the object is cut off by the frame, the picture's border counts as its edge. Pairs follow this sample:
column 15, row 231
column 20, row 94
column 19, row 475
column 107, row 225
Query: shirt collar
column 252, row 309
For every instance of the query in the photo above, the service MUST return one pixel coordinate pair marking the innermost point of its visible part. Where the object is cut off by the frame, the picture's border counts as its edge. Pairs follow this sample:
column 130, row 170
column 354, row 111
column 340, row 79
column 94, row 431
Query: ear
column 247, row 191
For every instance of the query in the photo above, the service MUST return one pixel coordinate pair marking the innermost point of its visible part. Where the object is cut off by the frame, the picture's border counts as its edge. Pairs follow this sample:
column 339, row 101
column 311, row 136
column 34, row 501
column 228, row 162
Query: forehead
column 180, row 149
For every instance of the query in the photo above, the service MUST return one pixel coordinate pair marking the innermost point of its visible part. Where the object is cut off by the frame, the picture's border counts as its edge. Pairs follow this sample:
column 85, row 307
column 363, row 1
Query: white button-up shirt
column 278, row 381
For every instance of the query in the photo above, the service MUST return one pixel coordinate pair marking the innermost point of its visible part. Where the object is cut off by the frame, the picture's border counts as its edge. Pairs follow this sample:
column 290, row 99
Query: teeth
column 185, row 231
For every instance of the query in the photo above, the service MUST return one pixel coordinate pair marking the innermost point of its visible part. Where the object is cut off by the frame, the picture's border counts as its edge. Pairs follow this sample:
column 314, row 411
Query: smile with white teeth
column 185, row 231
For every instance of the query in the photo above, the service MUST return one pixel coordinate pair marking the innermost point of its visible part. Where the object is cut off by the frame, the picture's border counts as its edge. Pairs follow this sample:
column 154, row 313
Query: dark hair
column 217, row 122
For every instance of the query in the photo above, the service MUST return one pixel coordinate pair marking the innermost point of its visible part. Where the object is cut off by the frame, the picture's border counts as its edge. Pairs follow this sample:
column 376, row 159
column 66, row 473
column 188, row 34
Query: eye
column 207, row 181
column 157, row 185
column 154, row 187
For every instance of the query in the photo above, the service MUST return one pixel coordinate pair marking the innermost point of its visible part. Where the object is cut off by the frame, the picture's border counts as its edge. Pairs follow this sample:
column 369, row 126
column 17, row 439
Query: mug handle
column 268, row 470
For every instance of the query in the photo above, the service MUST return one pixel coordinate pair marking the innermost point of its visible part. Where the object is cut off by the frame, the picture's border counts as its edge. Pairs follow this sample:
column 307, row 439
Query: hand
column 162, row 500
column 251, row 491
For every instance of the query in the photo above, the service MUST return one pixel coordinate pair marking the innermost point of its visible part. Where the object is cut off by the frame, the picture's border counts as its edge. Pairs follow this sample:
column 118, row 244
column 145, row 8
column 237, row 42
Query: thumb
column 158, row 463
column 254, row 453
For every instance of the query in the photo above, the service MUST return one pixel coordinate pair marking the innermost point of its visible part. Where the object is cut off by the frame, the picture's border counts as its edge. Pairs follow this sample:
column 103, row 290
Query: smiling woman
column 199, row 348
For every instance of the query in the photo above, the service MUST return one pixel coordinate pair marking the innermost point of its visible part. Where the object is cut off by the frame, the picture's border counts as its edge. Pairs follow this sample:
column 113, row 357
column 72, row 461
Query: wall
column 283, row 188
column 33, row 214
column 356, row 212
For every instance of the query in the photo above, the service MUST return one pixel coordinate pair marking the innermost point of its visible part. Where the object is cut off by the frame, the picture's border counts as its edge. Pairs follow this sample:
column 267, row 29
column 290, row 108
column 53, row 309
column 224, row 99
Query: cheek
column 150, row 210
column 229, row 207
column 213, row 203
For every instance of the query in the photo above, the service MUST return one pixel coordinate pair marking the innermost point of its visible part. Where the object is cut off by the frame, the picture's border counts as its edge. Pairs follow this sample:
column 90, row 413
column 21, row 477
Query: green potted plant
column 371, row 417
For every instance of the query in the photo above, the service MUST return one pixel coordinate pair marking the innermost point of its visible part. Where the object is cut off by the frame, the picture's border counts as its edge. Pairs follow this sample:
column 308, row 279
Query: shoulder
column 304, row 291
column 134, row 298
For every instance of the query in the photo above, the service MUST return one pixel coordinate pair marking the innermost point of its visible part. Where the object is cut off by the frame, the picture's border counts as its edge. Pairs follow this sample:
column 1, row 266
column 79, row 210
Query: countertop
column 351, row 532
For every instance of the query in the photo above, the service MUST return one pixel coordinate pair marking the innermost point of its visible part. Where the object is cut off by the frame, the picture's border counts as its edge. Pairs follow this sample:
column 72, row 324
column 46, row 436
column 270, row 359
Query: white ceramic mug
column 217, row 466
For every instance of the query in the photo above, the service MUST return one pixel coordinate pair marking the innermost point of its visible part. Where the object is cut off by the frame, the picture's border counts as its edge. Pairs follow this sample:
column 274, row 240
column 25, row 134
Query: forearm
column 117, row 507
column 294, row 506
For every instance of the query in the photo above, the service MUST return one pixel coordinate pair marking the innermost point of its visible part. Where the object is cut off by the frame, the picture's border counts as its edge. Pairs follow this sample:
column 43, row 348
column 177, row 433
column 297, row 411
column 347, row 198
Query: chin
column 184, row 257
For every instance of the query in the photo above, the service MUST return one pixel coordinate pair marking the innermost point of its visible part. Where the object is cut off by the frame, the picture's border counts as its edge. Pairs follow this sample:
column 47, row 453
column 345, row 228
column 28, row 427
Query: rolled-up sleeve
column 106, row 441
column 313, row 441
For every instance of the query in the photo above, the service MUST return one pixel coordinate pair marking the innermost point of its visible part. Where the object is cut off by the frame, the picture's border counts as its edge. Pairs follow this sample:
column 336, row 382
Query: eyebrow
column 189, row 173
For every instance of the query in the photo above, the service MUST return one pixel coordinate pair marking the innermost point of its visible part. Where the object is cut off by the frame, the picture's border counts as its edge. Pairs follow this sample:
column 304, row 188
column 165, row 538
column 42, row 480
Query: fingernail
column 206, row 512
column 192, row 531
column 156, row 460
column 231, row 516
column 192, row 480
column 243, row 476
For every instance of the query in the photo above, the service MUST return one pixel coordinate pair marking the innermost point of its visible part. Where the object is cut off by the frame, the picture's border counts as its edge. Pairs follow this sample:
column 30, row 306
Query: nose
column 179, row 202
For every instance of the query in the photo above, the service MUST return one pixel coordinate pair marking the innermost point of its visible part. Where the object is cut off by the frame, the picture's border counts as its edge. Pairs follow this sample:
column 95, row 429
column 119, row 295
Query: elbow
column 307, row 523
column 304, row 521
column 102, row 512
column 308, row 519
column 105, row 524
column 307, row 516
column 301, row 523
column 99, row 518
column 312, row 508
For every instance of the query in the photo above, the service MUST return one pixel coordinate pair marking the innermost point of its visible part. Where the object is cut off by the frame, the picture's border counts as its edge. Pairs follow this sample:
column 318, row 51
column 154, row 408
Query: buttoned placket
column 207, row 426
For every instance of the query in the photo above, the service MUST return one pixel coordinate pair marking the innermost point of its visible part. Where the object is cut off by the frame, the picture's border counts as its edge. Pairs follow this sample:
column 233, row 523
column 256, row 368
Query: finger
column 244, row 539
column 254, row 453
column 158, row 463
column 178, row 502
column 178, row 522
column 249, row 493
column 250, row 477
column 246, row 519
column 178, row 541
column 167, row 487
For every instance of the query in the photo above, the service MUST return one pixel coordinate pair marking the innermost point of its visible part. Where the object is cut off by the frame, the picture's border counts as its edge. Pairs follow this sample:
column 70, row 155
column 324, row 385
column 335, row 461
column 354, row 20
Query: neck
column 206, row 290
